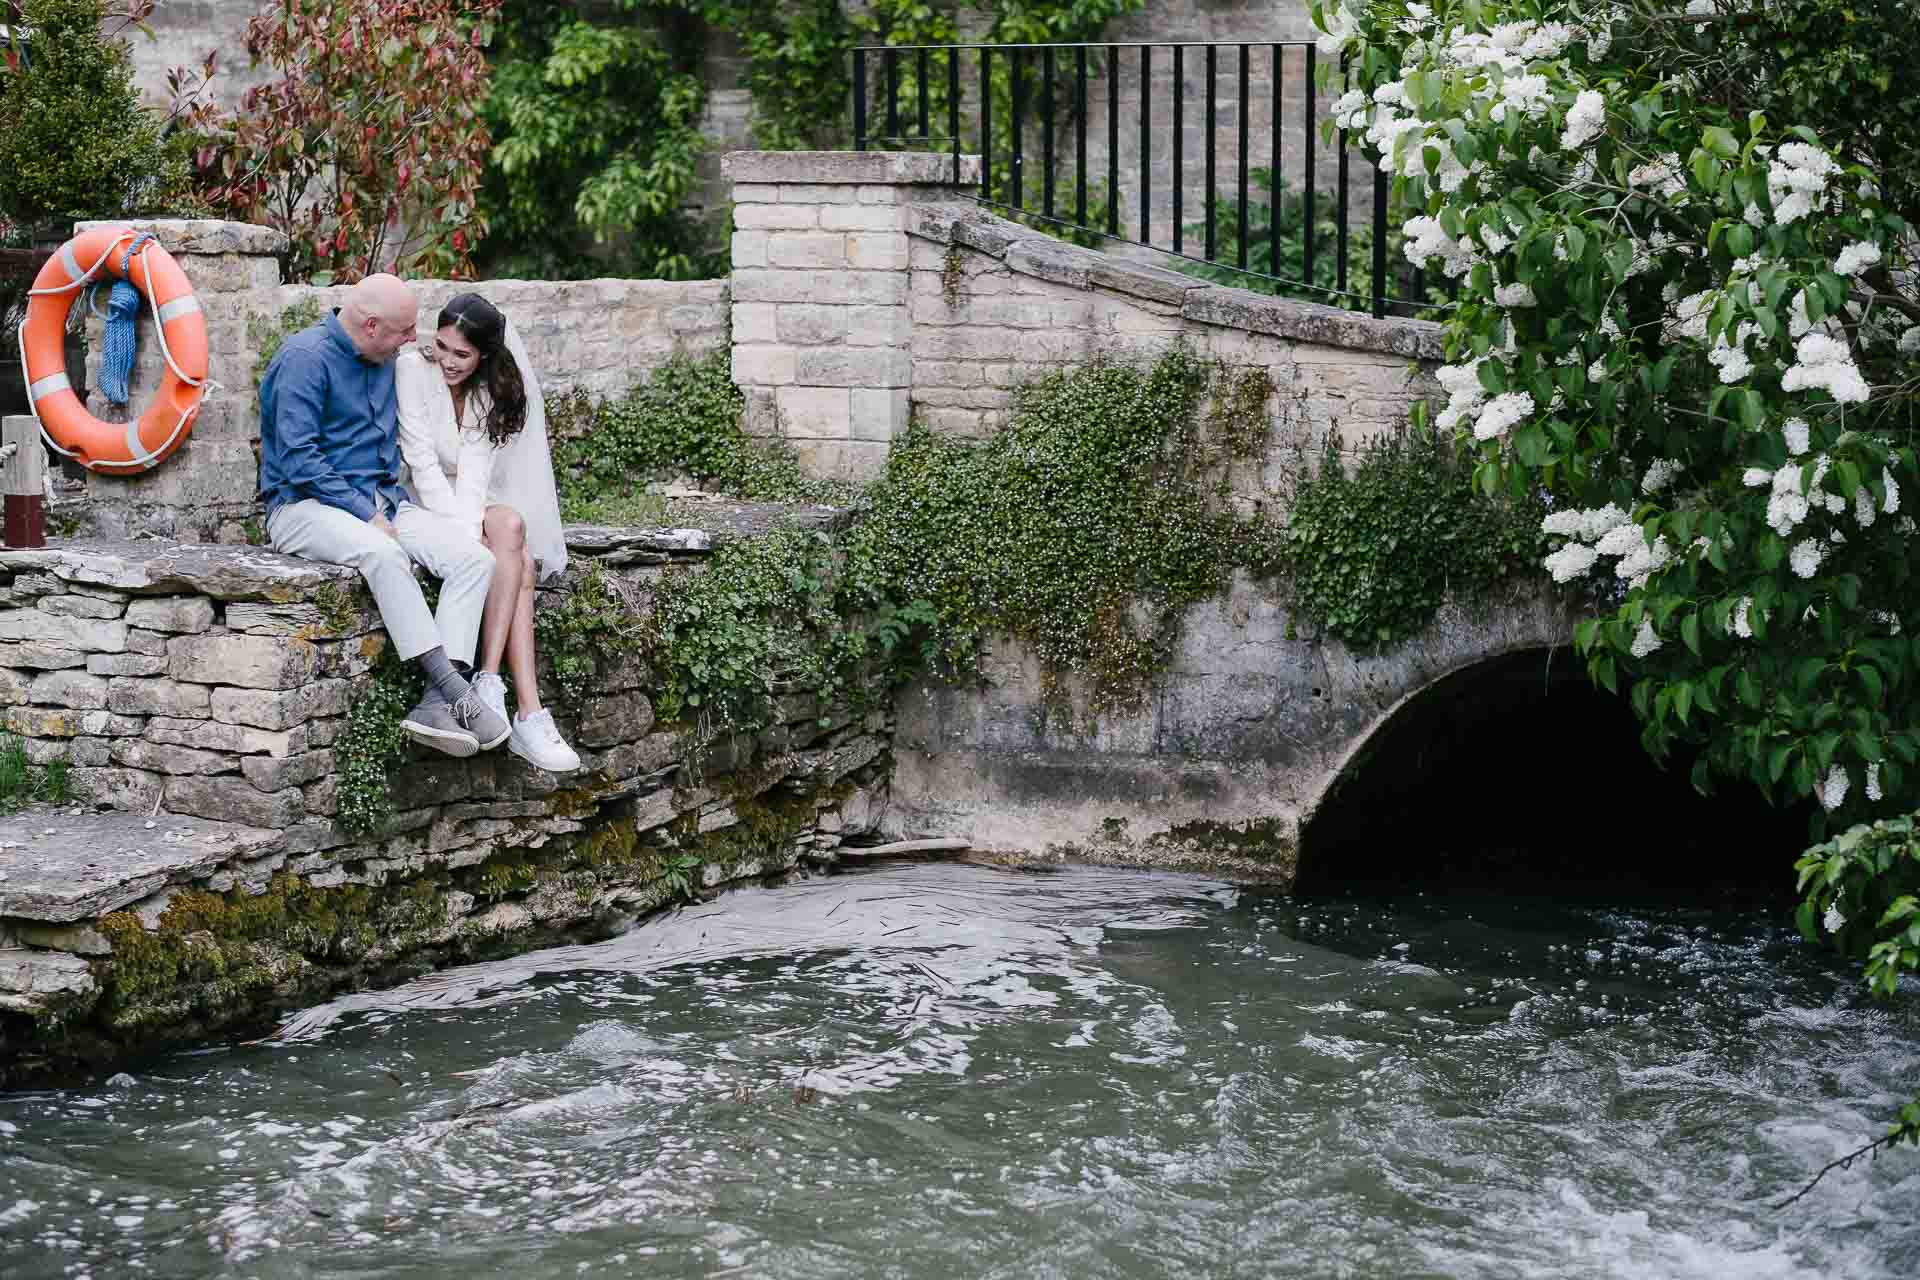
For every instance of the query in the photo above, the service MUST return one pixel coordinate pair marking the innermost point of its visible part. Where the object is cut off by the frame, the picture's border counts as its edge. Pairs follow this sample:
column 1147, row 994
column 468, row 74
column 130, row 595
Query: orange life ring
column 141, row 444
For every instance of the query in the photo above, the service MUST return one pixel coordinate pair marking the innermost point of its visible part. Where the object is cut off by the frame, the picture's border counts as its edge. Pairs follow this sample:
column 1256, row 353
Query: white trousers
column 450, row 553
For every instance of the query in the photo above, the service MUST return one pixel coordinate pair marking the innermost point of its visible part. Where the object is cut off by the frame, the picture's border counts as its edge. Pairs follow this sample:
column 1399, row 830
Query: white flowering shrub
column 1698, row 328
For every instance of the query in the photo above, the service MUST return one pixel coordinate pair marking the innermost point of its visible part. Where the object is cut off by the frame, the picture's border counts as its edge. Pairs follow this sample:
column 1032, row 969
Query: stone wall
column 601, row 336
column 196, row 696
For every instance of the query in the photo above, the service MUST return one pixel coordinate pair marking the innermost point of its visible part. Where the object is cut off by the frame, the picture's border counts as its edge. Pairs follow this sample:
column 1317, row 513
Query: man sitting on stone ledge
column 330, row 470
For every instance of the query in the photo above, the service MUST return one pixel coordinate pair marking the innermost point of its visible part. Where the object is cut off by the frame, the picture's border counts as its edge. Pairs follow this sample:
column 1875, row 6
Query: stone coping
column 245, row 573
column 1035, row 253
column 897, row 168
column 62, row 865
column 200, row 235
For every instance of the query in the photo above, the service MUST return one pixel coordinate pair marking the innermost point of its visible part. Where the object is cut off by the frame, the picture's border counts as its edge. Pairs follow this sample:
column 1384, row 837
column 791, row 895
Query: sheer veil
column 523, row 472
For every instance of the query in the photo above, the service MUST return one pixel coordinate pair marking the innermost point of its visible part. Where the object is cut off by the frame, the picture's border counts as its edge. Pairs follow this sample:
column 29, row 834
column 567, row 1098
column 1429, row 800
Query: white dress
column 456, row 471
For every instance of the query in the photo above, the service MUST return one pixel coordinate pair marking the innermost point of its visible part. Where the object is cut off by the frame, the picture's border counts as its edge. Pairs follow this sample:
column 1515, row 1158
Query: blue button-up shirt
column 329, row 426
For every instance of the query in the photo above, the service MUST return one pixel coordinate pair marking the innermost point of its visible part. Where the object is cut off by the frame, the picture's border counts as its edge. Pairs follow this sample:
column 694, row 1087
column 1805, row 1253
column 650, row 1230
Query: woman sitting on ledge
column 473, row 429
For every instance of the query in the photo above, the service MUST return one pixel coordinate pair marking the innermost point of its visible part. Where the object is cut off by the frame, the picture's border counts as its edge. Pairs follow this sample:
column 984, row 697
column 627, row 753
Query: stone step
column 58, row 866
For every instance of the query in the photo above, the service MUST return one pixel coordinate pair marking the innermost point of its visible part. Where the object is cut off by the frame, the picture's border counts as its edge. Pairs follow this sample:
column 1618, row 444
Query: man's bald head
column 379, row 315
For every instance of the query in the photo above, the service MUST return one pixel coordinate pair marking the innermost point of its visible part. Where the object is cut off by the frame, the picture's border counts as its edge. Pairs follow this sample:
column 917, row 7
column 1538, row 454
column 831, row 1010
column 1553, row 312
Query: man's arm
column 299, row 404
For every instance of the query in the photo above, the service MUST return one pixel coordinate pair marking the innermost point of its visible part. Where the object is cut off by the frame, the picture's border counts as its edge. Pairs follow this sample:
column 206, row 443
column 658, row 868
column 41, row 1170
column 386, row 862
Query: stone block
column 437, row 780
column 843, row 366
column 16, row 687
column 43, row 657
column 863, row 217
column 47, row 722
column 236, row 739
column 233, row 799
column 815, row 413
column 252, row 662
column 69, row 689
column 280, row 708
column 807, row 249
column 750, row 248
column 811, row 323
column 616, row 718
column 129, row 790
column 880, row 413
column 851, row 288
column 125, row 664
column 783, row 216
column 323, row 797
column 93, row 635
column 753, row 322
column 78, row 606
column 306, row 621
column 769, row 366
column 878, row 326
column 158, row 757
column 44, row 974
column 876, row 251
column 147, row 643
column 270, row 774
column 132, row 695
column 856, row 460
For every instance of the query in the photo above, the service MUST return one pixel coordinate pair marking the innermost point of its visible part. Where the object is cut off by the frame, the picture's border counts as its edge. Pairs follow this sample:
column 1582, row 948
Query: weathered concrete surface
column 1218, row 771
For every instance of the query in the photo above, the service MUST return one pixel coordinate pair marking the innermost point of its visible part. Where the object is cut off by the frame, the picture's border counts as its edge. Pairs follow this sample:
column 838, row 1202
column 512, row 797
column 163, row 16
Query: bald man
column 330, row 471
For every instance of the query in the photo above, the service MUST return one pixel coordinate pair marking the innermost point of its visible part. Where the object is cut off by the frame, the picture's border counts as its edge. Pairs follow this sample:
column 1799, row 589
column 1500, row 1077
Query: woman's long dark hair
column 481, row 323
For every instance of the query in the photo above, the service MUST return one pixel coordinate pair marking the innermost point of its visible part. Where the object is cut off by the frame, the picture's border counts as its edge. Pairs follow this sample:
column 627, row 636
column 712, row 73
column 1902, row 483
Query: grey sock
column 442, row 679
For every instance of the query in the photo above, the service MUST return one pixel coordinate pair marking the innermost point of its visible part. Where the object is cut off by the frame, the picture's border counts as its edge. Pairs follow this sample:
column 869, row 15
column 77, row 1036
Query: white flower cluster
column 1581, row 527
column 1806, row 557
column 1833, row 921
column 1660, row 474
column 1797, row 180
column 1427, row 239
column 1514, row 295
column 1662, row 174
column 1856, row 257
column 1833, row 794
column 1585, row 119
column 1645, row 640
column 1873, row 781
column 1743, row 618
column 1502, row 414
column 1824, row 364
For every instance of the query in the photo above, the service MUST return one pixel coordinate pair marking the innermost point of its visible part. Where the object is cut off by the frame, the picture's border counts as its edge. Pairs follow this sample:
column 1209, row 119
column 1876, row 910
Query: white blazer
column 451, row 462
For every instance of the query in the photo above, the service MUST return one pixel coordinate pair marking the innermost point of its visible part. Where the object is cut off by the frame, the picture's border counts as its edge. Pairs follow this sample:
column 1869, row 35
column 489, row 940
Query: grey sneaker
column 473, row 714
column 432, row 722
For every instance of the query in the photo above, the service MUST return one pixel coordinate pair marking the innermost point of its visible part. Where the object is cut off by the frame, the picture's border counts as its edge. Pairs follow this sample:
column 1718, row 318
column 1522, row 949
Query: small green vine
column 952, row 276
column 1375, row 548
column 591, row 622
column 22, row 782
column 684, row 420
column 371, row 745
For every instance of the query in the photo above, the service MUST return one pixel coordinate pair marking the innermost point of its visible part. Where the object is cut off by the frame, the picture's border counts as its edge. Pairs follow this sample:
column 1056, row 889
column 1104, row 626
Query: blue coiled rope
column 123, row 314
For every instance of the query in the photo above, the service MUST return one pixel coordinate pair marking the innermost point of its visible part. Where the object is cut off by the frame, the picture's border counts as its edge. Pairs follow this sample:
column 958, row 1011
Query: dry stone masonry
column 195, row 695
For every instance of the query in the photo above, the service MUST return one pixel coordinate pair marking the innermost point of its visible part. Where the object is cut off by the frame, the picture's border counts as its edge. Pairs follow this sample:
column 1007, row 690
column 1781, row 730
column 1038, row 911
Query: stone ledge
column 200, row 235
column 1037, row 254
column 93, row 863
column 897, row 168
column 180, row 568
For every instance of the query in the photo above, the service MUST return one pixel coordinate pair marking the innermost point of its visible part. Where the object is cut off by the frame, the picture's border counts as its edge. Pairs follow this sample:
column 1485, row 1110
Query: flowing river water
column 948, row 1071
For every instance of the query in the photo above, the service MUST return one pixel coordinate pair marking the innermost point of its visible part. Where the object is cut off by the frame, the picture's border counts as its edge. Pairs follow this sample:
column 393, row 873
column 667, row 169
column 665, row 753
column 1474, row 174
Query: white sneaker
column 536, row 739
column 493, row 691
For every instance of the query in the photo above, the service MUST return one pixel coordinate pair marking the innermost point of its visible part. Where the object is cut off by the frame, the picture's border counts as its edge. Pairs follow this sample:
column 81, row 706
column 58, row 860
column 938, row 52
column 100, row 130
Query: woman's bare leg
column 526, row 684
column 505, row 534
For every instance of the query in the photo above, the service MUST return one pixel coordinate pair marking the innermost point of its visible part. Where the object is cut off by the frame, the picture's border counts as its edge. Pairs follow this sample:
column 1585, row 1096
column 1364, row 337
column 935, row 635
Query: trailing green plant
column 1373, row 549
column 684, row 420
column 1084, row 527
column 370, row 747
column 797, row 56
column 22, row 782
column 76, row 141
column 592, row 621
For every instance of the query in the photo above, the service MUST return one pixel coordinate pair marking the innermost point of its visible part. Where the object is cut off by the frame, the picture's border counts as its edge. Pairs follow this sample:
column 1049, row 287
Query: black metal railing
column 1062, row 107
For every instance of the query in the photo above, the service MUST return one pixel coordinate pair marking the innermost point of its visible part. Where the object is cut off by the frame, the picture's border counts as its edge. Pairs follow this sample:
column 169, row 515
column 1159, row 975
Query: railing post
column 859, row 99
column 1240, row 233
column 1306, row 208
column 953, row 109
column 1379, row 243
column 1179, row 185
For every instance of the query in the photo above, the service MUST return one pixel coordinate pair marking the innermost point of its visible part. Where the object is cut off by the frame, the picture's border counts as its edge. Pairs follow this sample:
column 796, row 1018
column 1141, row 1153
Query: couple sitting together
column 342, row 404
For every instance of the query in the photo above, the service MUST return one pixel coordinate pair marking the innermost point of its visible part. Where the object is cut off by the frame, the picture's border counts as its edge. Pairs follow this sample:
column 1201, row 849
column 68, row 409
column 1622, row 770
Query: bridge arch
column 1516, row 773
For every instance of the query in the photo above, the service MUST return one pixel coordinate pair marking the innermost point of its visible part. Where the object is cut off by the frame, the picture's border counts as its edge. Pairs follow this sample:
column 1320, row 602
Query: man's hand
column 384, row 525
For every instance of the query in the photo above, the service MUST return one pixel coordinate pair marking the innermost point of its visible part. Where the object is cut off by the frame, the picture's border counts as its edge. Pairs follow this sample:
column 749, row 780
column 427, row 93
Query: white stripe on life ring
column 185, row 305
column 52, row 384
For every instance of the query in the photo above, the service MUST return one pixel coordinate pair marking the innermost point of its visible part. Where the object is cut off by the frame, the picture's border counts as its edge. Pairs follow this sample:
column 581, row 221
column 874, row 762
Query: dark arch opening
column 1518, row 775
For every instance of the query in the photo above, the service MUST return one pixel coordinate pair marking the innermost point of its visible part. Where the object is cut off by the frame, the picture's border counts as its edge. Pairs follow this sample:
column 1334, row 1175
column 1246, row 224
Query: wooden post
column 23, row 478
